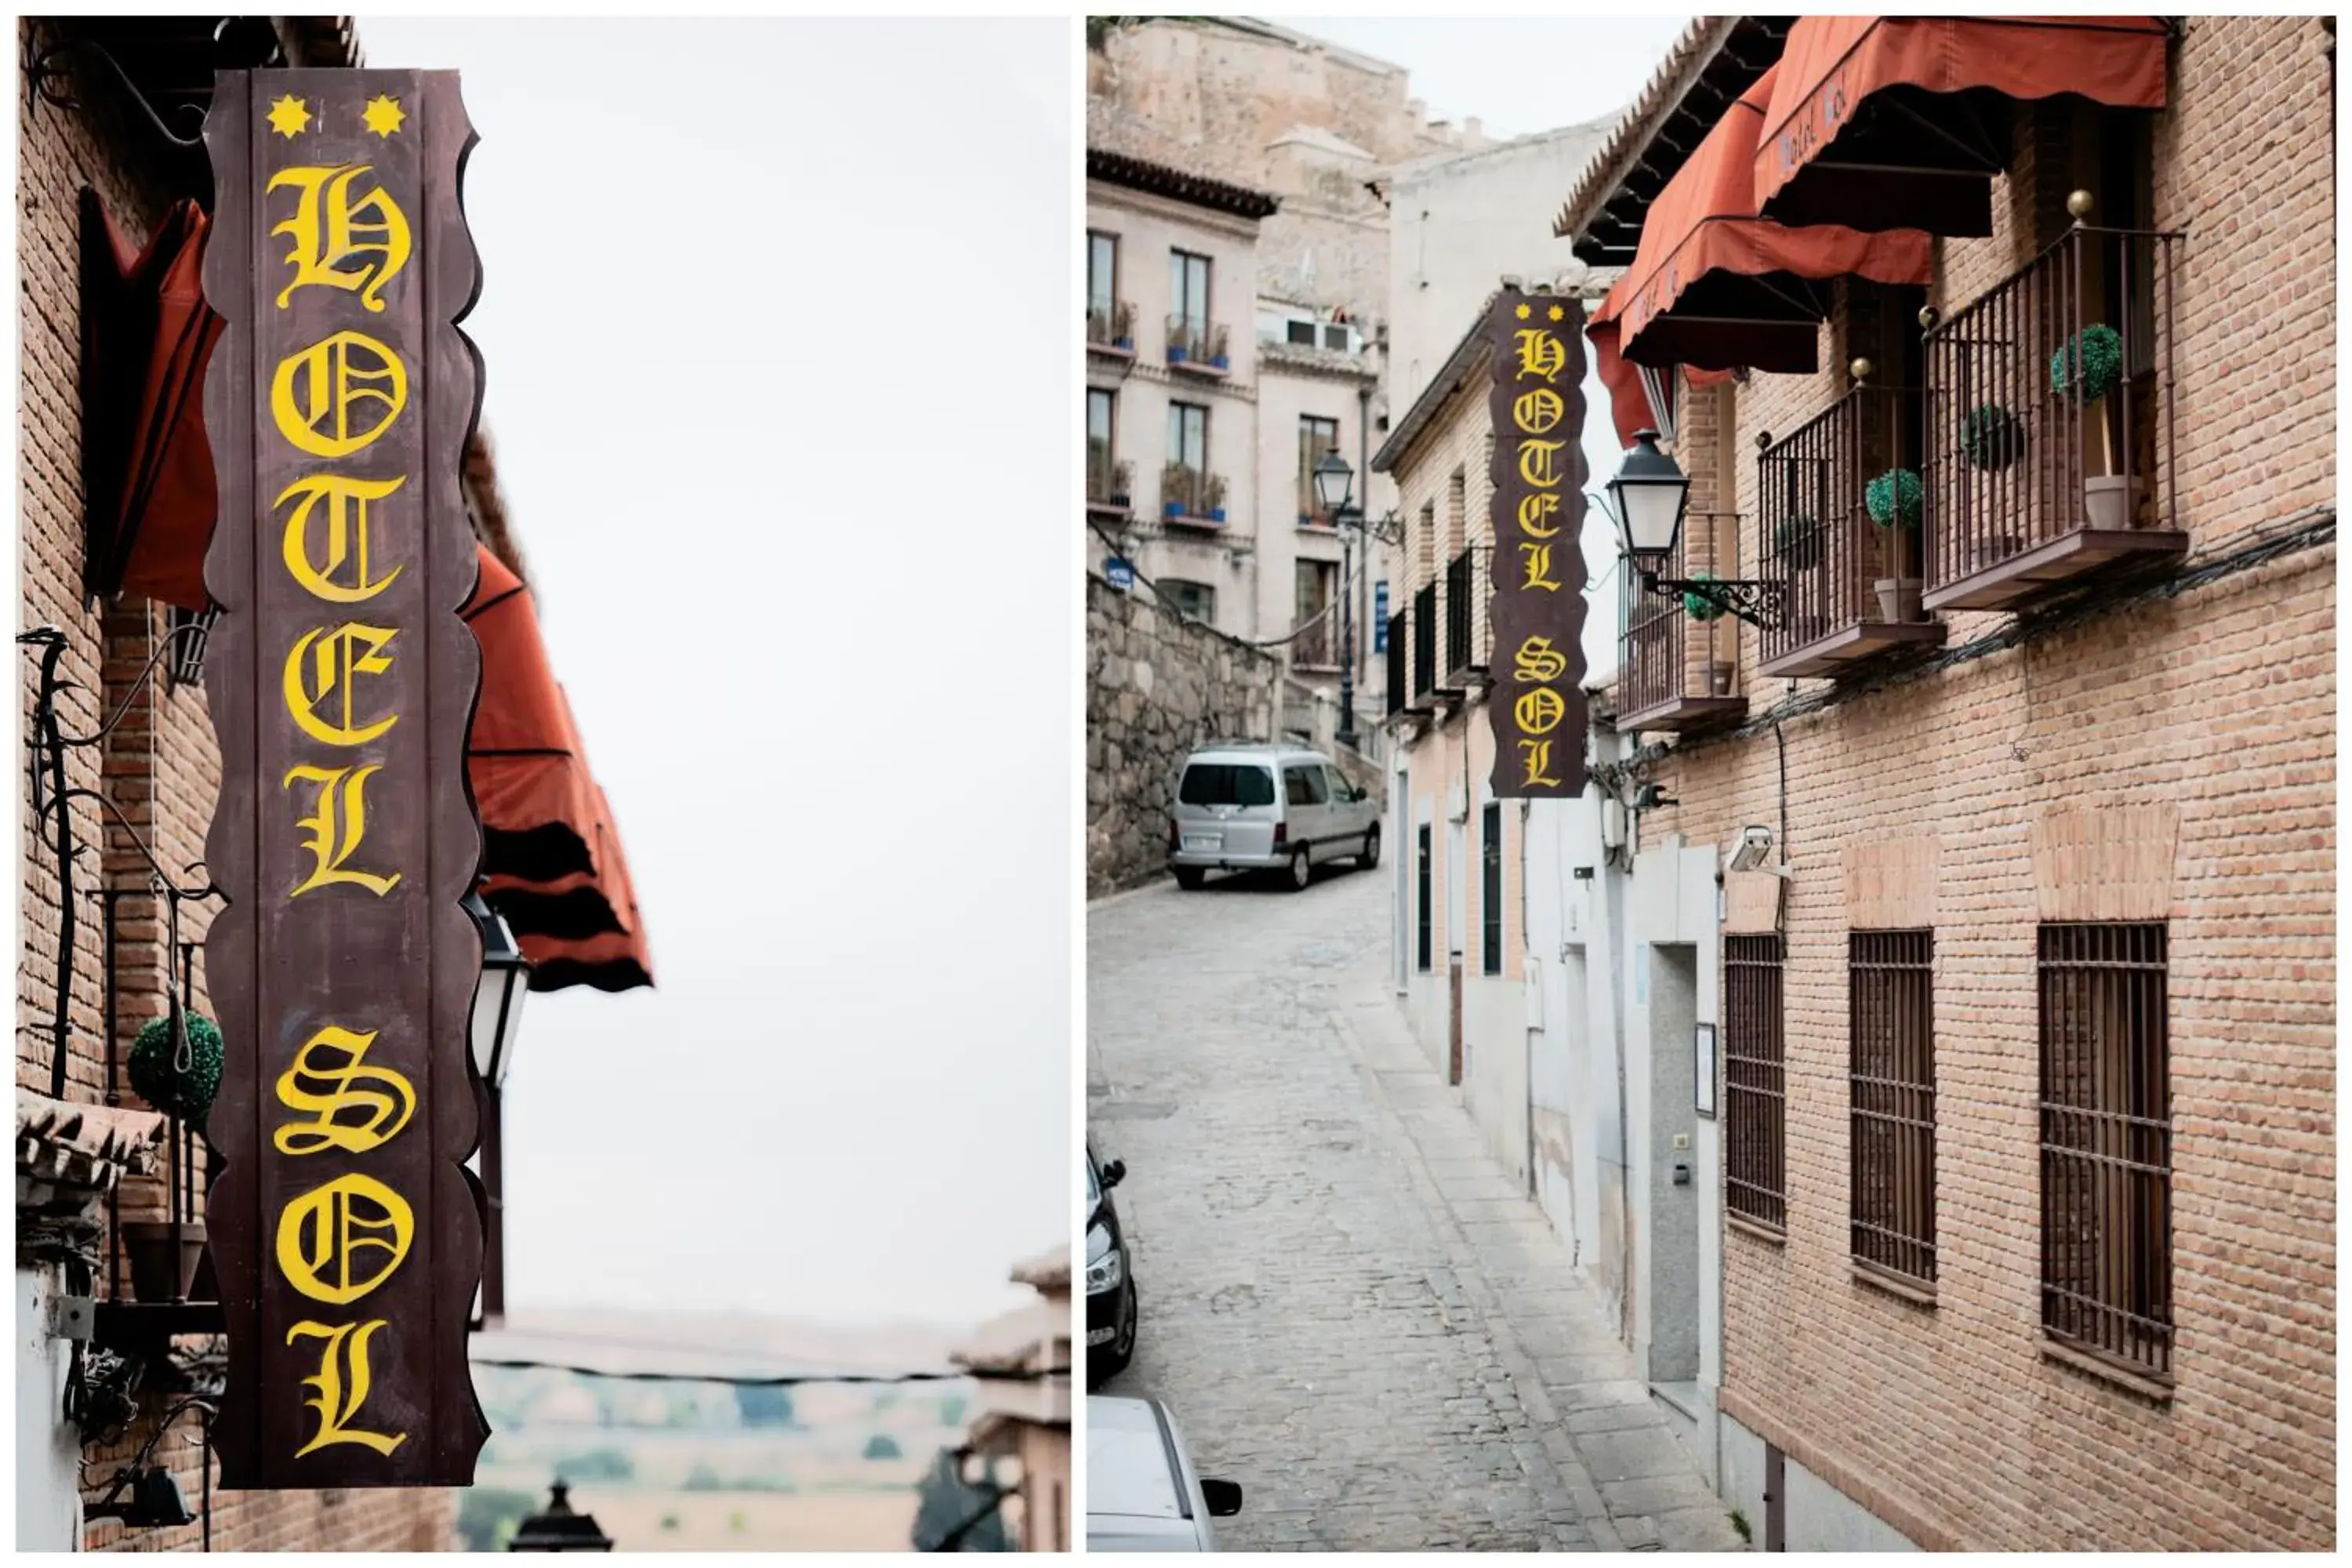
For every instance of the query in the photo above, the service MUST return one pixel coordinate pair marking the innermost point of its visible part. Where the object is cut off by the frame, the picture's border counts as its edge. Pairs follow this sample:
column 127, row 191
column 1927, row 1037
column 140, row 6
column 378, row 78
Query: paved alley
column 1349, row 1306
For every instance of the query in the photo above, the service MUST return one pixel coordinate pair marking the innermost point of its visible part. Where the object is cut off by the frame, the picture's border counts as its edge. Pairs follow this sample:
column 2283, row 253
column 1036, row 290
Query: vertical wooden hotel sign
column 345, row 1229
column 1535, row 408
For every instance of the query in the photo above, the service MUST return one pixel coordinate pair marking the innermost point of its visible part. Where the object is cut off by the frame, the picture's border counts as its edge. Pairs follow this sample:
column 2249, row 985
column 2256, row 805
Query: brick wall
column 2218, row 701
column 160, row 767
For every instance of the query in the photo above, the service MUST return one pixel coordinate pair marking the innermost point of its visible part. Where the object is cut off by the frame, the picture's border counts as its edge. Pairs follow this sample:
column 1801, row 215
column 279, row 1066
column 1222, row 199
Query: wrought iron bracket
column 45, row 69
column 1757, row 601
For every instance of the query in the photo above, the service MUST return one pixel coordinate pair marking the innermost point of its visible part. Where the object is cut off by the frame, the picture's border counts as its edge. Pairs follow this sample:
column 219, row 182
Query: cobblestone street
column 1347, row 1305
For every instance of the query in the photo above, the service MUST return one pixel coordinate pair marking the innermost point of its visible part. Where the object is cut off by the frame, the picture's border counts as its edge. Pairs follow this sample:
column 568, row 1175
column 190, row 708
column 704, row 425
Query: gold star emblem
column 1522, row 312
column 287, row 116
column 383, row 114
column 1557, row 312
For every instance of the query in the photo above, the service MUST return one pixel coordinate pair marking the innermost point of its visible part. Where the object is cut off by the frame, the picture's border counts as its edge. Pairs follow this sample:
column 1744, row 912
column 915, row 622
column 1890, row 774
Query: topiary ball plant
column 1896, row 496
column 1697, row 607
column 2090, row 366
column 184, row 1093
column 1990, row 438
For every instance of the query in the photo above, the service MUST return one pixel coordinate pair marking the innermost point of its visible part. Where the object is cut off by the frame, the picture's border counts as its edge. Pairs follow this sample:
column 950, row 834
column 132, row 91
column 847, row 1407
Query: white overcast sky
column 775, row 322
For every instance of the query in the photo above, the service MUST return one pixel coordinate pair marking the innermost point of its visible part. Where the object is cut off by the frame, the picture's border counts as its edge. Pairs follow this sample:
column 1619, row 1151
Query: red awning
column 1833, row 65
column 147, row 468
column 614, row 956
column 1714, row 286
column 1629, row 401
column 530, row 785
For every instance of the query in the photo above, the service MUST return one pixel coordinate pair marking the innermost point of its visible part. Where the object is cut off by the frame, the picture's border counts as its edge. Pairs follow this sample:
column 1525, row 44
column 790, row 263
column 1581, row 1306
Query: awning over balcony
column 1713, row 286
column 1629, row 400
column 551, row 857
column 147, row 467
column 1884, row 123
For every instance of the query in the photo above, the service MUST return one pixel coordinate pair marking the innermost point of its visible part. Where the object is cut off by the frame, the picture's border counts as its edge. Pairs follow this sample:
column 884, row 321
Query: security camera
column 1755, row 844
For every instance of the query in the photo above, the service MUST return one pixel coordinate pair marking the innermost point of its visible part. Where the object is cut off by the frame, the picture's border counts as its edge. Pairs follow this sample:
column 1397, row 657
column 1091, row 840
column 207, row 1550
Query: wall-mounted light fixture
column 1647, row 501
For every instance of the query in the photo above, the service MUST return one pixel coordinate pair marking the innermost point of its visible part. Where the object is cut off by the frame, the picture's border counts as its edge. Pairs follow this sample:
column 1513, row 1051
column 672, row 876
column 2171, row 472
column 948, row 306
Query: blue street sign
column 1121, row 573
column 1380, row 618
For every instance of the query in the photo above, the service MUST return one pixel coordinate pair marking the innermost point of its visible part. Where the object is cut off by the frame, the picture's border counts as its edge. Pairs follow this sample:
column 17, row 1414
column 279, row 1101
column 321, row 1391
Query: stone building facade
column 2129, row 774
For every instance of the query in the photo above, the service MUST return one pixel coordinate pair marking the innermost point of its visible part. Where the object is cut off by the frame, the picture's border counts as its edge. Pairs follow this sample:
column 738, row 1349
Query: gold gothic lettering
column 1536, row 411
column 331, row 226
column 1541, row 354
column 1538, row 463
column 1536, row 758
column 342, row 1385
column 1539, row 660
column 335, row 1058
column 1539, row 509
column 346, row 536
column 336, row 374
column 1540, row 711
column 1538, row 567
column 325, row 663
column 336, row 827
column 322, row 1234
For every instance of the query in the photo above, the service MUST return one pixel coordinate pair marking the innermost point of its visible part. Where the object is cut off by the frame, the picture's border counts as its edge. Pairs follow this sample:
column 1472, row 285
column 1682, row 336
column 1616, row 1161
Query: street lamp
column 1649, row 498
column 1334, row 486
column 497, row 1026
column 559, row 1528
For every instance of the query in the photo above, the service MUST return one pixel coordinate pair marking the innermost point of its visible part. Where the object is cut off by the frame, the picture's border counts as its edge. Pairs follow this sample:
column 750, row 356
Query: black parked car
column 1110, row 1277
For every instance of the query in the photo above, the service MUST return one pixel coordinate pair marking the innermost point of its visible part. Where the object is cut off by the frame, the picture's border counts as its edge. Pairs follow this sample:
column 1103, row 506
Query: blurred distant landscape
column 680, row 1465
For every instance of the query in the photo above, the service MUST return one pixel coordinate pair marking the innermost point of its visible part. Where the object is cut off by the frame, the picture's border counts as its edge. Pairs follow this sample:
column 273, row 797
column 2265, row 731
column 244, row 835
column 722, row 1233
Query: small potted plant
column 1177, row 486
column 1896, row 499
column 1179, row 341
column 1217, row 354
column 177, row 1071
column 1798, row 538
column 2084, row 372
column 1991, row 439
column 1706, row 612
column 1122, row 482
column 1122, row 327
column 1215, row 486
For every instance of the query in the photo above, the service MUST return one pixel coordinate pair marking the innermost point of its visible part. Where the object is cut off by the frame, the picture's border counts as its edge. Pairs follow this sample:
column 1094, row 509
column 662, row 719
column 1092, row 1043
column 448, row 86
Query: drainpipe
column 1359, row 591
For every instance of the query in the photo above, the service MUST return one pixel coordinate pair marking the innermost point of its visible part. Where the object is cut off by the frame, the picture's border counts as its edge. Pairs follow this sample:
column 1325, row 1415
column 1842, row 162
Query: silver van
column 1142, row 1492
column 1256, row 805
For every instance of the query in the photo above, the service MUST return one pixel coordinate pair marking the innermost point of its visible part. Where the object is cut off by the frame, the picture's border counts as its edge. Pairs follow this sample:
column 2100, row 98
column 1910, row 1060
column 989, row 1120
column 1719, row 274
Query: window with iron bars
column 2107, row 1144
column 1755, row 1078
column 1891, row 1037
column 1422, row 913
column 1490, row 888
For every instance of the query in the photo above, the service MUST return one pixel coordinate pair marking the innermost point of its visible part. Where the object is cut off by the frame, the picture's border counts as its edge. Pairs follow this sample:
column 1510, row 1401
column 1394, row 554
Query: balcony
column 1110, row 483
column 1469, row 636
column 1315, row 644
column 1428, row 690
column 1189, row 497
column 1110, row 333
column 1675, row 671
column 2048, row 461
column 1399, row 671
column 1853, row 587
column 1198, row 348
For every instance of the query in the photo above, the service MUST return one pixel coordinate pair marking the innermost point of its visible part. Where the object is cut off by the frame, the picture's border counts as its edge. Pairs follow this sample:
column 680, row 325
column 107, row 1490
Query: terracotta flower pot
column 1720, row 673
column 1898, row 599
column 155, row 1275
column 2110, row 499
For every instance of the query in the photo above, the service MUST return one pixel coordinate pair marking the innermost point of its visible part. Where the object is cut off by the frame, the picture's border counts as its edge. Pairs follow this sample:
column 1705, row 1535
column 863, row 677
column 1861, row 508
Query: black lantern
column 497, row 1005
column 1649, row 495
column 559, row 1528
column 1334, row 482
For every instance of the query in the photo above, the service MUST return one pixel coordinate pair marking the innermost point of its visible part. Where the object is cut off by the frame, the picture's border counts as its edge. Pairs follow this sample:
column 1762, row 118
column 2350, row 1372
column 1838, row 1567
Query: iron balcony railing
column 1110, row 324
column 1425, row 641
column 1399, row 662
column 2049, row 405
column 1814, row 528
column 1468, row 635
column 1314, row 643
column 1664, row 657
column 1191, row 494
column 1108, row 480
column 1197, row 342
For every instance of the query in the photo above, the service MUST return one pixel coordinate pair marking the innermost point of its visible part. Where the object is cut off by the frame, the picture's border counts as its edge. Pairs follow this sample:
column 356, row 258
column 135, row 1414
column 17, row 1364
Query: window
column 1335, row 337
column 1197, row 600
column 1755, row 1185
column 1340, row 789
column 1188, row 291
column 1305, row 786
column 1100, row 477
column 1226, row 784
column 1317, row 438
column 1490, row 887
column 1299, row 332
column 1102, row 276
column 2107, row 1144
column 1188, row 437
column 1420, row 894
column 1891, row 1039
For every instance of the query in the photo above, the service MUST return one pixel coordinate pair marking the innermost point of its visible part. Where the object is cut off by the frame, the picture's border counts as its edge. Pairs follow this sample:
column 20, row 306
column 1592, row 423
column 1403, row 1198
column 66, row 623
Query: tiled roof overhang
column 1715, row 61
column 1176, row 185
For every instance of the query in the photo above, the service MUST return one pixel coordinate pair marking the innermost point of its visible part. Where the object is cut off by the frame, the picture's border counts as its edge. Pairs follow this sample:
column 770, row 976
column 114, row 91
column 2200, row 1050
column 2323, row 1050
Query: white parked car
column 1259, row 806
column 1142, row 1493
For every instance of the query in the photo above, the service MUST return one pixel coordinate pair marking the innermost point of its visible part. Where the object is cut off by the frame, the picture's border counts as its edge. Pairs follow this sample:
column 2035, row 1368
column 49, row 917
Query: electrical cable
column 781, row 1380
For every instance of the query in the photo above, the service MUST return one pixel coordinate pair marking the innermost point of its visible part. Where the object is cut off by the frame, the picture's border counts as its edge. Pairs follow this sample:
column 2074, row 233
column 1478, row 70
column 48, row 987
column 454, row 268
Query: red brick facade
column 160, row 767
column 2214, row 700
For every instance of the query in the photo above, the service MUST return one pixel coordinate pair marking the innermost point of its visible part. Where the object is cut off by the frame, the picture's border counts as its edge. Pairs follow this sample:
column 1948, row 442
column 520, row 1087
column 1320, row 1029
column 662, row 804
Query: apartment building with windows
column 1316, row 385
column 1997, row 354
